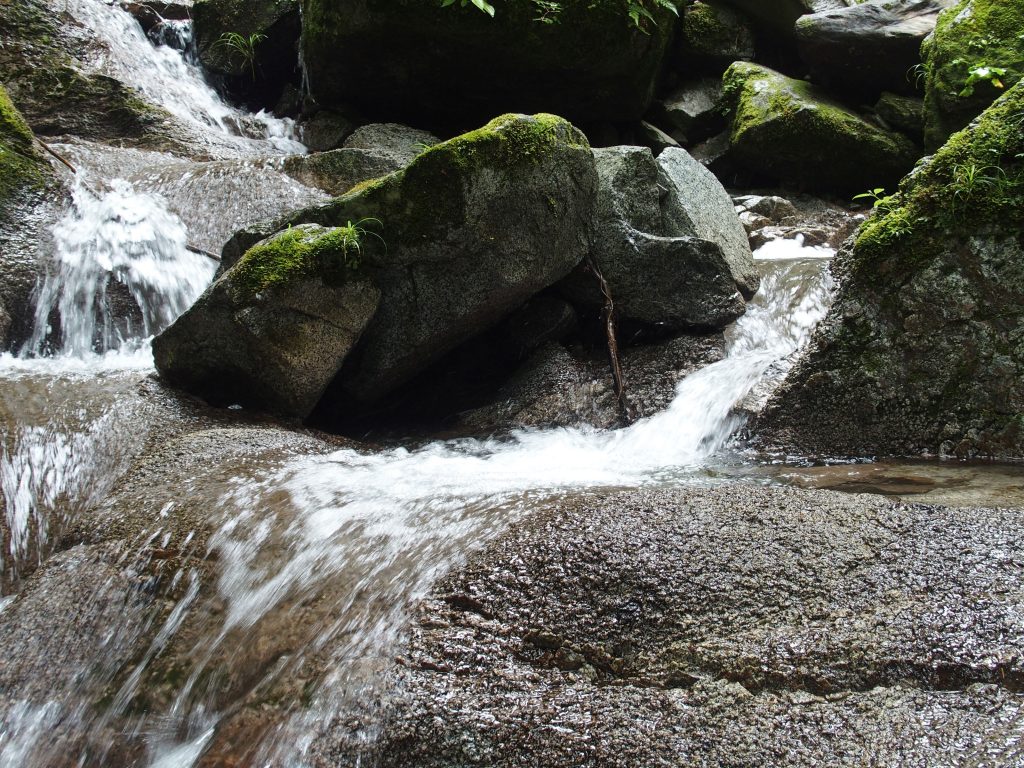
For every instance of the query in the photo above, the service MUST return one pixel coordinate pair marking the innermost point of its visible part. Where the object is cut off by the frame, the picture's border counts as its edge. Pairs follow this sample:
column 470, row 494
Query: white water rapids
column 297, row 567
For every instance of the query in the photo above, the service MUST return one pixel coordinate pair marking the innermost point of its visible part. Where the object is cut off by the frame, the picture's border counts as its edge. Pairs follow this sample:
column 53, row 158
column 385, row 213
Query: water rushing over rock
column 165, row 78
column 123, row 272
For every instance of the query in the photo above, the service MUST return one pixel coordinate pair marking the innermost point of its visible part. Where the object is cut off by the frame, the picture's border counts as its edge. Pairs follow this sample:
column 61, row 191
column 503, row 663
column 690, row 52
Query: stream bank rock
column 923, row 350
column 791, row 131
column 975, row 53
column 668, row 243
column 469, row 231
column 868, row 48
column 737, row 625
column 26, row 181
column 252, row 44
column 419, row 61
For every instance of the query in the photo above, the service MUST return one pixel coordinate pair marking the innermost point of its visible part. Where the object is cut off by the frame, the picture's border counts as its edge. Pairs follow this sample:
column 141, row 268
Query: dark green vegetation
column 414, row 61
column 924, row 348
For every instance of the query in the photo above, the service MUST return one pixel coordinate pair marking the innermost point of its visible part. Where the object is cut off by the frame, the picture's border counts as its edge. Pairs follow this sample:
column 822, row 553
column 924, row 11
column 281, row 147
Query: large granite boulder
column 975, row 53
column 923, row 351
column 791, row 131
column 420, row 61
column 26, row 180
column 253, row 43
column 868, row 48
column 668, row 243
column 460, row 238
column 274, row 330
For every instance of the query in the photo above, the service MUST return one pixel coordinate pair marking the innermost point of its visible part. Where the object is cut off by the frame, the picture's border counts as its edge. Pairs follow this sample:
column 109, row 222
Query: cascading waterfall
column 347, row 538
column 120, row 239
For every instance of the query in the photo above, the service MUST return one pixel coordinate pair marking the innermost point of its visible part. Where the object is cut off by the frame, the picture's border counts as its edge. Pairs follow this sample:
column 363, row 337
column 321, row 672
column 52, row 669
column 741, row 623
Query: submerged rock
column 463, row 236
column 742, row 626
column 791, row 131
column 411, row 61
column 922, row 351
column 976, row 52
column 870, row 47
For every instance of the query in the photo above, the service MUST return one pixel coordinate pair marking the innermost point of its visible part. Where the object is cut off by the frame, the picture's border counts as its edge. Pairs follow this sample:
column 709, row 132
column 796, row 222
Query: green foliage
column 350, row 240
column 640, row 12
column 483, row 5
column 241, row 48
column 876, row 195
column 983, row 73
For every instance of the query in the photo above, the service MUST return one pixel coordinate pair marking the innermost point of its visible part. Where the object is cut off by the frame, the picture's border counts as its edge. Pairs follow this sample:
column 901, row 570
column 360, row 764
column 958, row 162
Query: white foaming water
column 166, row 79
column 121, row 239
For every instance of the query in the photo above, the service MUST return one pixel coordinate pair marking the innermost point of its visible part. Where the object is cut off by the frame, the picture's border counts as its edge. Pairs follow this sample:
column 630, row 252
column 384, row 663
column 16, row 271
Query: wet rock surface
column 741, row 626
column 870, row 47
column 560, row 387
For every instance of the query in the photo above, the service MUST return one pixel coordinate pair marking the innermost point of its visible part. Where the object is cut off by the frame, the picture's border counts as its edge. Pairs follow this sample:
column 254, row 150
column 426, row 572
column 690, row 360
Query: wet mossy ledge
column 923, row 350
column 432, row 255
column 23, row 172
column 409, row 60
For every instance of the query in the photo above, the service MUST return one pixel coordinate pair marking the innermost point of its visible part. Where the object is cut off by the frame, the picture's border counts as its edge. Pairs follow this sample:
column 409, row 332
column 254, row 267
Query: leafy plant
column 483, row 5
column 971, row 179
column 916, row 75
column 876, row 195
column 983, row 73
column 352, row 236
column 241, row 48
column 641, row 12
column 641, row 15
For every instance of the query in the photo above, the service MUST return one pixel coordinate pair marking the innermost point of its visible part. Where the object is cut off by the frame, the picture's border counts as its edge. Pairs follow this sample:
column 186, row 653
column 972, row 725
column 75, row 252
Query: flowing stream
column 280, row 572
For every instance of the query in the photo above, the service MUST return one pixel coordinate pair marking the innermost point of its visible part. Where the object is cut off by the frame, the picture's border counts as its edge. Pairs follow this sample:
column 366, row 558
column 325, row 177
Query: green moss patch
column 296, row 253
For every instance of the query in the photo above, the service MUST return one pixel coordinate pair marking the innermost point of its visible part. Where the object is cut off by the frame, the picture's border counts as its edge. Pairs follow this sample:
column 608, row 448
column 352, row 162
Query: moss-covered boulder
column 40, row 66
column 454, row 242
column 923, row 350
column 868, row 48
column 253, row 44
column 791, row 131
column 412, row 60
column 25, row 180
column 711, row 37
column 975, row 53
column 273, row 332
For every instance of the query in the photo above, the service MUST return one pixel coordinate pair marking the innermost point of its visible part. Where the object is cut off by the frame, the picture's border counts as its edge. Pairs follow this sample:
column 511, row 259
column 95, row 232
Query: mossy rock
column 273, row 332
column 414, row 61
column 26, row 179
column 38, row 65
column 972, row 34
column 791, row 131
column 923, row 350
column 711, row 37
column 460, row 238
